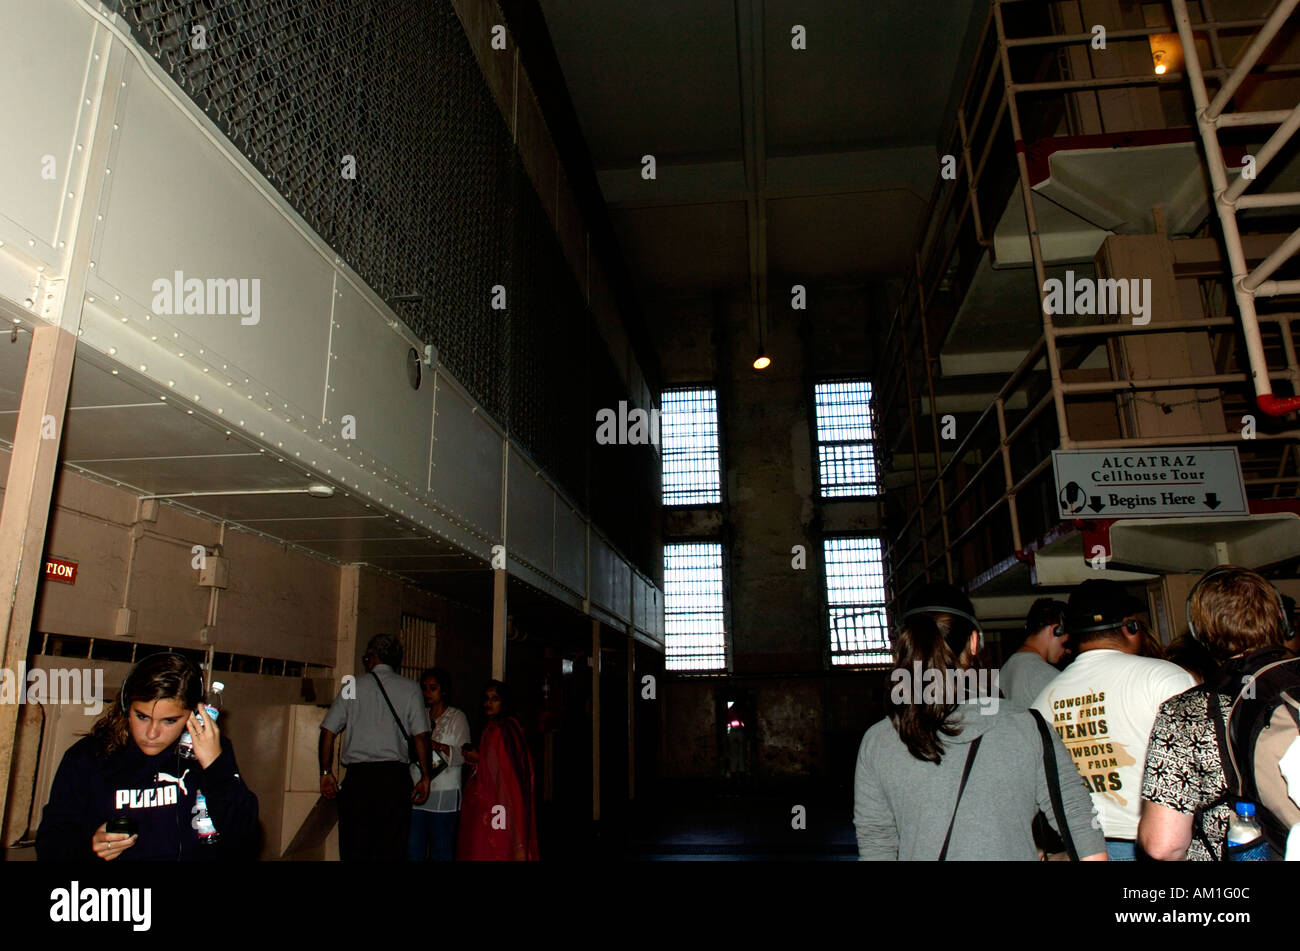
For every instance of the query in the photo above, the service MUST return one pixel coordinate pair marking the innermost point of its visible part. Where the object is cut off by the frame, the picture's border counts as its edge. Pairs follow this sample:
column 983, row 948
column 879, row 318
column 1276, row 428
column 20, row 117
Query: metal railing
column 993, row 488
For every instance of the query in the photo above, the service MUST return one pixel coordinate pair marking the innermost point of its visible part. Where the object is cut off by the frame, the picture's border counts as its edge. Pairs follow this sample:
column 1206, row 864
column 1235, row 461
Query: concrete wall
column 797, row 712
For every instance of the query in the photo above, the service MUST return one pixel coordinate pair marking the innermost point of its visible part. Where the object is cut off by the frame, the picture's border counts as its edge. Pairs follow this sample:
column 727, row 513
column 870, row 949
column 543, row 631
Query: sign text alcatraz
column 1191, row 480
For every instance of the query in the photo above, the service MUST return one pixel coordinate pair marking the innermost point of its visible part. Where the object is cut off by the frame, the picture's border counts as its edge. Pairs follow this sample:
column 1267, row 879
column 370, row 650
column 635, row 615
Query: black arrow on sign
column 1094, row 503
column 1212, row 500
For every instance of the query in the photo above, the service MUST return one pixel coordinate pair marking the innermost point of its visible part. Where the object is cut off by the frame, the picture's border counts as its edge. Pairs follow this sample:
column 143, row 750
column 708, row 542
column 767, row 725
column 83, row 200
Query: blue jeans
column 433, row 836
column 1118, row 850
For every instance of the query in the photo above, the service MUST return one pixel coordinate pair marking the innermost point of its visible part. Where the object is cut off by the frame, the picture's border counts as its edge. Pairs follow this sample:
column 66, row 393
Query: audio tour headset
column 121, row 697
column 945, row 609
column 1288, row 632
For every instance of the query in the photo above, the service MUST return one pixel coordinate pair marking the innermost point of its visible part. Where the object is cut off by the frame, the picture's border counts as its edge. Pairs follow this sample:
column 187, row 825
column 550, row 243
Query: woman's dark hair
column 502, row 693
column 1193, row 656
column 442, row 677
column 164, row 676
column 937, row 642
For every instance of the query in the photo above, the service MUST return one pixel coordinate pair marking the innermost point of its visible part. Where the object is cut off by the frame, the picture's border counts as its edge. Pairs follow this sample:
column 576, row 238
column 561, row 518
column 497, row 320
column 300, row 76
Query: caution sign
column 1151, row 483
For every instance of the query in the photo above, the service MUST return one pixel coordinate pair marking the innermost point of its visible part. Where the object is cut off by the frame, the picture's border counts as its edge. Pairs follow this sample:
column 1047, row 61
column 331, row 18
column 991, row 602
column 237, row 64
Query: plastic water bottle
column 1245, row 838
column 185, row 745
column 202, row 822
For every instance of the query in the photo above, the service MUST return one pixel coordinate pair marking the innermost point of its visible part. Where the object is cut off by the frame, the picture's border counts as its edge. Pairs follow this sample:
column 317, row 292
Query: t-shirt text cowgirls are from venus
column 1103, row 707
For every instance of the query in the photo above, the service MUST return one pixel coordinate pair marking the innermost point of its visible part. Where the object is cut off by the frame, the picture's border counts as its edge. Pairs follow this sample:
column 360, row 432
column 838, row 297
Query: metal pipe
column 1274, row 260
column 1186, row 439
column 1267, row 152
column 1012, row 512
column 1227, row 217
column 1276, row 288
column 1162, row 383
column 1248, row 59
column 1267, row 117
column 1031, row 223
column 1269, row 200
column 934, row 415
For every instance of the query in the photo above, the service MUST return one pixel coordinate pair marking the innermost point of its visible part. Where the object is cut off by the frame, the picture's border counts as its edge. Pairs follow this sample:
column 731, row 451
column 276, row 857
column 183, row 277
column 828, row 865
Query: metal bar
column 1266, row 33
column 916, row 451
column 970, row 178
column 1268, row 117
column 1276, row 288
column 1269, row 200
column 1092, row 330
column 1030, row 416
column 1034, row 473
column 934, row 414
column 1186, row 439
column 1227, row 216
column 1005, row 448
column 1276, row 141
column 1274, row 260
column 1031, row 223
column 1163, row 383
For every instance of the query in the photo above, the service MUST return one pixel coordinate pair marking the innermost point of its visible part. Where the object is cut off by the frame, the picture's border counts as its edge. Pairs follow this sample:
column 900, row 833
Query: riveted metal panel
column 530, row 514
column 370, row 375
column 465, row 472
column 611, row 579
column 187, row 213
column 570, row 547
column 46, row 54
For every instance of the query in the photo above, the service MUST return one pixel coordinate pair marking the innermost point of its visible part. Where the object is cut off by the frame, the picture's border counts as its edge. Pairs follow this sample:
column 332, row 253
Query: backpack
column 1267, row 707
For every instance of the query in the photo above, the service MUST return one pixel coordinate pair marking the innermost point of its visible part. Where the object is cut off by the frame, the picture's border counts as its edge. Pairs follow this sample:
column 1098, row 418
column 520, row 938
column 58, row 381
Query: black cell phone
column 122, row 824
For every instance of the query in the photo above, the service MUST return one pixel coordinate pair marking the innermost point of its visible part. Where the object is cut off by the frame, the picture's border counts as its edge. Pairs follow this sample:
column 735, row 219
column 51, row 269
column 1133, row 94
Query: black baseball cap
column 1099, row 601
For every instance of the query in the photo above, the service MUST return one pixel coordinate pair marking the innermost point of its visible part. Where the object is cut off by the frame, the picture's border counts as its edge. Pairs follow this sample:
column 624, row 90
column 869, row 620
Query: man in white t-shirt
column 1104, row 705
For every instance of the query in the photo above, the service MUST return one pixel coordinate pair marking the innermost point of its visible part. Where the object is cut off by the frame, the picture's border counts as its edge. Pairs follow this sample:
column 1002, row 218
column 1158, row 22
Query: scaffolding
column 986, row 499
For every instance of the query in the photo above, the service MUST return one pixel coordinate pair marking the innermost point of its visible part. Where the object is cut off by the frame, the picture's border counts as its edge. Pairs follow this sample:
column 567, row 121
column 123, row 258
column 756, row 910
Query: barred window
column 694, row 635
column 855, row 598
column 689, row 427
column 846, row 453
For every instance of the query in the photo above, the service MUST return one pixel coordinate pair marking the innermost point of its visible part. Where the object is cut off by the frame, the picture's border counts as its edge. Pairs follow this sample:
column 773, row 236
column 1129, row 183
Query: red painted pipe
column 1276, row 405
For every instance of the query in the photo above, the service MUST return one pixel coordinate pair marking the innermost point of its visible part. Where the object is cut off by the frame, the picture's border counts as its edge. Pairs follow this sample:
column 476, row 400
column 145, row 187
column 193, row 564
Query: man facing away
column 375, row 802
column 1031, row 668
column 1104, row 704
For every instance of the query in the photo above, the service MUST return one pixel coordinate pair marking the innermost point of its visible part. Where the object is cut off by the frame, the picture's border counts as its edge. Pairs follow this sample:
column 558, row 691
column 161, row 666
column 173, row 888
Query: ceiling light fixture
column 1161, row 66
column 762, row 361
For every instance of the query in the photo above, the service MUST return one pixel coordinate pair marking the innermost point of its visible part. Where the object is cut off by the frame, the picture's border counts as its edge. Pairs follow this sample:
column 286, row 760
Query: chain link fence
column 440, row 210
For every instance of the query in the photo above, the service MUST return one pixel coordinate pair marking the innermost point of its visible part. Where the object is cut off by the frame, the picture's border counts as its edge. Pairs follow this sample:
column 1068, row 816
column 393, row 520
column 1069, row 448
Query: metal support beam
column 25, row 515
column 595, row 720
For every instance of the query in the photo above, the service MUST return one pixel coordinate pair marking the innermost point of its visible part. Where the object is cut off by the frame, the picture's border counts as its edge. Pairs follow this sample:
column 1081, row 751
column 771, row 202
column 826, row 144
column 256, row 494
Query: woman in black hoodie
column 130, row 769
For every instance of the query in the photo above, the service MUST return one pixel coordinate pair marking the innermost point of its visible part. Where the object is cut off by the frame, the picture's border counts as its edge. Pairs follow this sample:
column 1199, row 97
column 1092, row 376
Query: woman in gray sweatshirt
column 911, row 766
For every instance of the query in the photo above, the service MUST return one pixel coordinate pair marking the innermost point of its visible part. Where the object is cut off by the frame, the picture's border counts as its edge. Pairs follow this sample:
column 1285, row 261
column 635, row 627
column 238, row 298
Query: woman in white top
column 434, row 822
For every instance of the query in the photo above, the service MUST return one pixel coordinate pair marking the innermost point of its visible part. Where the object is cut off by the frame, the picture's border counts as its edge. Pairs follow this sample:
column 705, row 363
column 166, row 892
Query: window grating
column 855, row 597
column 689, row 424
column 846, row 453
column 694, row 630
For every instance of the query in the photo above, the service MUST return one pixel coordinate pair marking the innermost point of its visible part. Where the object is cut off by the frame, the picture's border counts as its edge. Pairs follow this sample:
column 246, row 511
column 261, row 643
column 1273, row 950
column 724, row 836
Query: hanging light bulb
column 762, row 361
column 1161, row 66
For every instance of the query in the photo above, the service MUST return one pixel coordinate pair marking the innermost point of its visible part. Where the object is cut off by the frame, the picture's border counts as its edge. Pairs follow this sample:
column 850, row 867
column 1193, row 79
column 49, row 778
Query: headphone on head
column 121, row 697
column 1131, row 626
column 1288, row 632
column 955, row 612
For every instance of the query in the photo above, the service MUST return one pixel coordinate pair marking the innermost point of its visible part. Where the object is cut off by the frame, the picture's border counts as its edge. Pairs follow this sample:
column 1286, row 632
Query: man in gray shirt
column 371, row 713
column 1031, row 668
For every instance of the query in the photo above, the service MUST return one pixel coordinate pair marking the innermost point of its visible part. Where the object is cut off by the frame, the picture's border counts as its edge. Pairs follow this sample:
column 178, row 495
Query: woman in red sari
column 497, row 821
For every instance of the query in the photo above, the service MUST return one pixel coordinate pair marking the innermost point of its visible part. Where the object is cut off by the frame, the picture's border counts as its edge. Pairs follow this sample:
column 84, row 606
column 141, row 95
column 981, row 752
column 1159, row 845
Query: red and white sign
column 60, row 569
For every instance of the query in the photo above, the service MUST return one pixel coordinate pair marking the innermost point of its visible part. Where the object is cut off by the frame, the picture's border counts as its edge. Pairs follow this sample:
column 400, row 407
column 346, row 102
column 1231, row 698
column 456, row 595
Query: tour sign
column 1150, row 483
